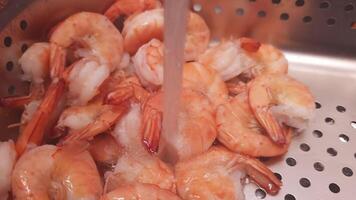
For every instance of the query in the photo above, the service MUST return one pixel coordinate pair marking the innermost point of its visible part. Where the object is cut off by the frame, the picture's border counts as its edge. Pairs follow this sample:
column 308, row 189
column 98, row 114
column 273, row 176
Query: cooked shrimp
column 47, row 172
column 136, row 164
column 229, row 57
column 240, row 132
column 94, row 34
column 269, row 59
column 148, row 63
column 217, row 174
column 129, row 7
column 105, row 150
column 196, row 127
column 143, row 27
column 141, row 192
column 8, row 158
column 206, row 80
column 278, row 100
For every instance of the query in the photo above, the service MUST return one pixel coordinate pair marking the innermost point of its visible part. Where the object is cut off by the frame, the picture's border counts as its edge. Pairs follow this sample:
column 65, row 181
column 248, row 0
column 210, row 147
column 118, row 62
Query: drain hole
column 197, row 7
column 317, row 105
column 276, row 1
column 278, row 176
column 332, row 151
column 307, row 19
column 353, row 124
column 289, row 197
column 217, row 9
column 284, row 16
column 291, row 161
column 324, row 5
column 240, row 11
column 9, row 66
column 7, row 41
column 318, row 167
column 340, row 109
column 344, row 138
column 260, row 193
column 261, row 13
column 329, row 120
column 349, row 7
column 331, row 21
column 304, row 182
column 333, row 187
column 347, row 171
column 317, row 134
column 299, row 3
column 11, row 90
column 23, row 24
column 24, row 47
column 304, row 147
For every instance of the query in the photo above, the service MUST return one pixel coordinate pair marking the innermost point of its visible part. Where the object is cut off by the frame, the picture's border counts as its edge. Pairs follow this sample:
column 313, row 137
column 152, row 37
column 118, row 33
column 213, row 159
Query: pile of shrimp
column 92, row 121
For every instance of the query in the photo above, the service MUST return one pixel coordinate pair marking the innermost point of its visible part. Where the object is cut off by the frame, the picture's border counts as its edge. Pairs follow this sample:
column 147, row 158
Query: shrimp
column 143, row 27
column 240, row 132
column 205, row 80
column 217, row 174
column 8, row 159
column 277, row 100
column 48, row 172
column 148, row 63
column 229, row 57
column 129, row 7
column 94, row 34
column 136, row 164
column 140, row 191
column 105, row 150
column 196, row 127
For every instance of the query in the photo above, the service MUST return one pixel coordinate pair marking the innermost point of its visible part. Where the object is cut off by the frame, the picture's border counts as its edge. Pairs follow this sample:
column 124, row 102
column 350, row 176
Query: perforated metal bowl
column 319, row 43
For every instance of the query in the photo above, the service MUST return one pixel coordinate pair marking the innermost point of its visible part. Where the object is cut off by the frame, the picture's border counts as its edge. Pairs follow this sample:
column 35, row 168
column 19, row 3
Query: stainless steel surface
column 320, row 46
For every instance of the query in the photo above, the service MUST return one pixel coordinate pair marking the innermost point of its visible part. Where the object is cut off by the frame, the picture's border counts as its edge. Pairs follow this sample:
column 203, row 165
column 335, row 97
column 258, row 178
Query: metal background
column 319, row 43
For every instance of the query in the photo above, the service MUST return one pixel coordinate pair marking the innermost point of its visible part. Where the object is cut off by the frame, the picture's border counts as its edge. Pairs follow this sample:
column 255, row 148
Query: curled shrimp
column 143, row 27
column 278, row 100
column 47, row 172
column 129, row 7
column 148, row 63
column 230, row 57
column 8, row 159
column 95, row 36
column 196, row 127
column 140, row 191
column 217, row 174
column 136, row 164
column 239, row 130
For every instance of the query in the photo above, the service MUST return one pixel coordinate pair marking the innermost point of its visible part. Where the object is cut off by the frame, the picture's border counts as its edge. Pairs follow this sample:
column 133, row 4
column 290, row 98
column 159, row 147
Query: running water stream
column 175, row 20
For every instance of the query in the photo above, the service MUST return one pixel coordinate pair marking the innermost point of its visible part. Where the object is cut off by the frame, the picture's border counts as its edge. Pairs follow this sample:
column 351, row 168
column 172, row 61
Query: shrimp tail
column 260, row 174
column 105, row 121
column 250, row 45
column 57, row 61
column 120, row 95
column 271, row 125
column 151, row 128
column 15, row 102
column 34, row 131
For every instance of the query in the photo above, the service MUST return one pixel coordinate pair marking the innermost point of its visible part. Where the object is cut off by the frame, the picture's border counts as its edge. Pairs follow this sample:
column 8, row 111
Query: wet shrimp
column 130, row 7
column 105, row 150
column 136, row 164
column 229, row 57
column 8, row 159
column 278, row 100
column 49, row 172
column 143, row 27
column 196, row 127
column 140, row 191
column 217, row 174
column 239, row 130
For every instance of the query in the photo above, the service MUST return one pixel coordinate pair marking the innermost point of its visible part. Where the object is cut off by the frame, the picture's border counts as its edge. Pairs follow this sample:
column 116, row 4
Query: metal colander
column 318, row 40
